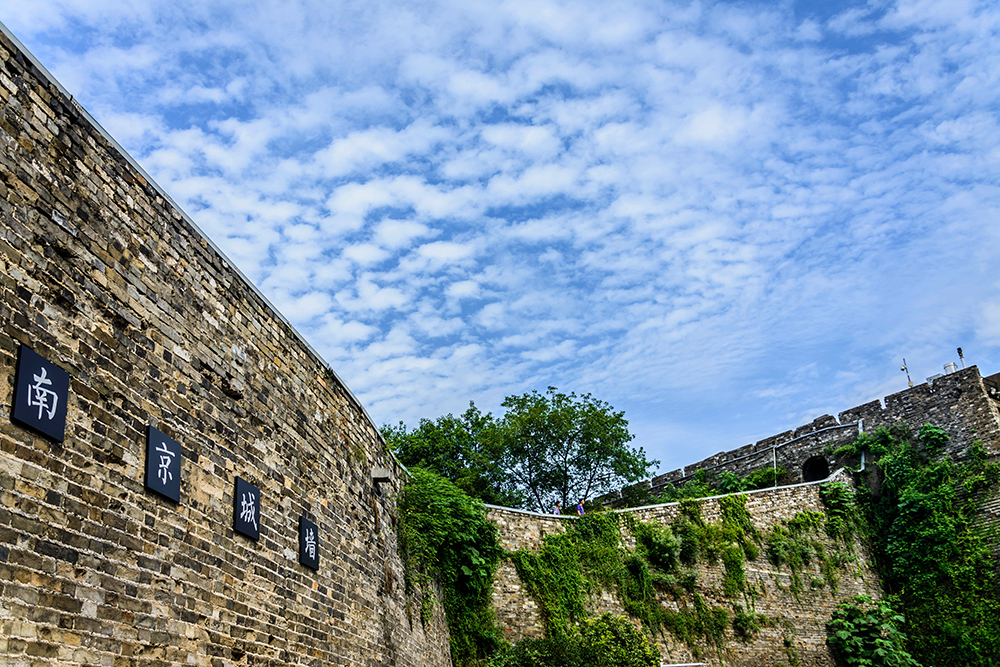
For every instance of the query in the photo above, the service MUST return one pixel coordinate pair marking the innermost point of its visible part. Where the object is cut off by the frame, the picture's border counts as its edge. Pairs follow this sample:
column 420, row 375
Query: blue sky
column 725, row 219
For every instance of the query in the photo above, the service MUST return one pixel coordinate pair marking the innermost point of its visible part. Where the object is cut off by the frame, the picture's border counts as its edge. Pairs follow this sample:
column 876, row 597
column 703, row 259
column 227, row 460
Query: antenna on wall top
column 907, row 371
column 961, row 356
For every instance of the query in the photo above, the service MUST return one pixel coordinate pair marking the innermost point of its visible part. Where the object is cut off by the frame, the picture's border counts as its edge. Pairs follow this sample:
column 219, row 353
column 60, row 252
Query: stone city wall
column 516, row 611
column 797, row 629
column 963, row 403
column 103, row 276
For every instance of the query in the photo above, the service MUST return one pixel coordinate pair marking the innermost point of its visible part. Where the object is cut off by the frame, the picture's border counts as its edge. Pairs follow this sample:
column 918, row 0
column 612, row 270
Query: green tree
column 463, row 450
column 546, row 447
column 562, row 447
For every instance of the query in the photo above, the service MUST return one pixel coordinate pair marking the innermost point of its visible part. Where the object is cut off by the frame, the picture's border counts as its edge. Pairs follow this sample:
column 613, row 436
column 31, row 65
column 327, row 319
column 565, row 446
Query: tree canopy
column 545, row 448
column 464, row 450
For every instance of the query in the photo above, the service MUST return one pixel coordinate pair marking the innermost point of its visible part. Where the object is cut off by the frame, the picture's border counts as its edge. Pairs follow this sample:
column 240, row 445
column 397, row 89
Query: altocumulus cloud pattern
column 723, row 218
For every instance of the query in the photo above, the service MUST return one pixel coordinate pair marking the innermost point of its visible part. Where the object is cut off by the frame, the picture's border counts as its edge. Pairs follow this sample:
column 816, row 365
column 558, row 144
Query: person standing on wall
column 579, row 508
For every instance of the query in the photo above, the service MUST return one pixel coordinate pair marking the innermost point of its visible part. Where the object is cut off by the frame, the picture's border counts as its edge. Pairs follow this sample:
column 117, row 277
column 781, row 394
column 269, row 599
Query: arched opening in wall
column 815, row 469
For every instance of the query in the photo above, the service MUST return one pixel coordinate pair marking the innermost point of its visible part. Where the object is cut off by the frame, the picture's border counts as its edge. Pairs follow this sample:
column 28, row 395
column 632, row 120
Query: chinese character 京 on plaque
column 163, row 464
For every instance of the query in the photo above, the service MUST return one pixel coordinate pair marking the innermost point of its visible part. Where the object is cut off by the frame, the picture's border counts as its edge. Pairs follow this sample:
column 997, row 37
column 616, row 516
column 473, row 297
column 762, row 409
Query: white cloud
column 853, row 22
column 543, row 353
column 493, row 316
column 369, row 295
column 463, row 289
column 399, row 233
column 365, row 253
column 365, row 149
column 713, row 125
column 440, row 253
column 809, row 31
column 335, row 331
column 535, row 142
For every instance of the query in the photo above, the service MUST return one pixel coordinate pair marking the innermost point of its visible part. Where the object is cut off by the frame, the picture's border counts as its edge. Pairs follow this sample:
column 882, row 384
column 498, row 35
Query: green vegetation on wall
column 936, row 564
column 864, row 633
column 606, row 641
column 446, row 538
column 796, row 543
column 444, row 535
column 935, row 561
column 592, row 556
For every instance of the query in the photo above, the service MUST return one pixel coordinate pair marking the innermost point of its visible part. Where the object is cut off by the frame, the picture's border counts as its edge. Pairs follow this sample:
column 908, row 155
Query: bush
column 728, row 482
column 612, row 641
column 607, row 641
column 746, row 624
column 866, row 634
column 558, row 651
column 696, row 487
column 763, row 478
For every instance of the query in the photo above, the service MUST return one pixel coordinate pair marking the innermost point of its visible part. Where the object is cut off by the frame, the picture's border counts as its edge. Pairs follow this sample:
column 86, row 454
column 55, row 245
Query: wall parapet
column 963, row 403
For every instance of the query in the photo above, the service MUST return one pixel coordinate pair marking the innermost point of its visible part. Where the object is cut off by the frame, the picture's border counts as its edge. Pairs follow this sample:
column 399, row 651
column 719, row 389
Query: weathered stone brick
column 104, row 277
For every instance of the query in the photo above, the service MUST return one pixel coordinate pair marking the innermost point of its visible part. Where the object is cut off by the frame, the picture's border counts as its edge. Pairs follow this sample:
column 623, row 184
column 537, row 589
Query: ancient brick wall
column 963, row 403
column 959, row 403
column 797, row 629
column 103, row 276
column 517, row 613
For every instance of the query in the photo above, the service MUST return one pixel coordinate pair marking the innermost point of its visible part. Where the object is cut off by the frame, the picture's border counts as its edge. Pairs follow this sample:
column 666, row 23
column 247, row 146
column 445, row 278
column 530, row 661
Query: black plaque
column 41, row 392
column 163, row 464
column 246, row 509
column 308, row 543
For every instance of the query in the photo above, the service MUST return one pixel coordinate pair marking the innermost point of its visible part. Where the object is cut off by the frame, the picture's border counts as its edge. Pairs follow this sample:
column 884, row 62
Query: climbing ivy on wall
column 606, row 641
column 935, row 560
column 444, row 535
column 591, row 556
column 446, row 538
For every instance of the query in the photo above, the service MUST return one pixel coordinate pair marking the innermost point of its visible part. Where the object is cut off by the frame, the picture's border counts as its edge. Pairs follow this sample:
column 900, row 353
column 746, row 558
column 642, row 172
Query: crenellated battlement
column 965, row 404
